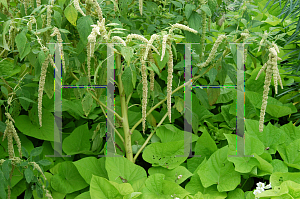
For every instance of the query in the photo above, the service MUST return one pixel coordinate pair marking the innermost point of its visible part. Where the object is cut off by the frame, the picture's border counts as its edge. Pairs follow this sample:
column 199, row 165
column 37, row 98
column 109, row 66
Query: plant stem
column 146, row 142
column 95, row 98
column 124, row 108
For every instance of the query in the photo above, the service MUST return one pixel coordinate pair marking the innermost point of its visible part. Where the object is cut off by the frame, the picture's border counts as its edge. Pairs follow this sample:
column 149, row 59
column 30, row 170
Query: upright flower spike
column 77, row 7
column 145, row 92
column 41, row 85
column 170, row 77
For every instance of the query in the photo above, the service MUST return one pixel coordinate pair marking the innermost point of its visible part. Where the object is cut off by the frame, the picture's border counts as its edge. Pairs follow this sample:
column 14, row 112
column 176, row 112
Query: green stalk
column 124, row 108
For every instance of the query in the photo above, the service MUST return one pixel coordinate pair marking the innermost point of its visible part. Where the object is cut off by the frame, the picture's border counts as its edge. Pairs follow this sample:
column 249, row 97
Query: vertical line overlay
column 240, row 103
column 57, row 106
column 188, row 103
column 110, row 119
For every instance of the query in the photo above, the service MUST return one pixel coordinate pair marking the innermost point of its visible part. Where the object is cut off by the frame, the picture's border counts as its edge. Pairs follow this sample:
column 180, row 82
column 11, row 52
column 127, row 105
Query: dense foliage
column 150, row 84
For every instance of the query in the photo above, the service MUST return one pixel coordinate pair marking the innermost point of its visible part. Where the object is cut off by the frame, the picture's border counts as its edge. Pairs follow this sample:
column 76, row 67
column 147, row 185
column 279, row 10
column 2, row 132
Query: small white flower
column 180, row 176
column 260, row 185
column 268, row 186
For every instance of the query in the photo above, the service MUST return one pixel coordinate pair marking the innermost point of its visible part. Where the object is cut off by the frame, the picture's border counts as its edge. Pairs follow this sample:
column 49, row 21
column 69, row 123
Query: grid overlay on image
column 110, row 116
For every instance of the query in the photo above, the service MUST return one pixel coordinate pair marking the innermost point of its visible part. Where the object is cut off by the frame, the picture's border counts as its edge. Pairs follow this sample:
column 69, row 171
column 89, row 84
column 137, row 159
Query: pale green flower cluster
column 60, row 46
column 170, row 77
column 10, row 132
column 77, row 7
column 213, row 51
column 271, row 68
column 41, row 86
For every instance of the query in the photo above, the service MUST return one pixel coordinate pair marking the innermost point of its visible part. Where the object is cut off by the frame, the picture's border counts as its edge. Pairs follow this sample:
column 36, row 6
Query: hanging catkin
column 60, row 46
column 141, row 6
column 170, row 77
column 38, row 3
column 213, row 51
column 202, row 42
column 152, row 74
column 77, row 7
column 88, row 7
column 145, row 92
column 41, row 85
column 98, row 10
column 271, row 67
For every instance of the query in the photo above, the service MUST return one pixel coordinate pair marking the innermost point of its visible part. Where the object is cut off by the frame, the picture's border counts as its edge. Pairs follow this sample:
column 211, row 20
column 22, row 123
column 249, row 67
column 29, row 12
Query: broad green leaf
column 274, row 107
column 170, row 133
column 157, row 187
column 21, row 40
column 84, row 195
column 127, row 53
column 102, row 188
column 28, row 175
column 288, row 189
column 4, row 90
column 121, row 166
column 206, row 9
column 123, row 188
column 4, row 2
column 161, row 64
column 49, row 83
column 78, row 141
column 164, row 154
column 25, row 125
column 71, row 14
column 212, row 74
column 36, row 151
column 41, row 57
column 127, row 81
column 87, row 103
column 89, row 166
column 292, row 132
column 6, row 67
column 172, row 175
column 237, row 193
column 279, row 166
column 84, row 28
column 213, row 94
column 25, row 52
column 242, row 164
column 67, row 180
column 189, row 9
column 133, row 73
column 155, row 69
column 277, row 178
column 179, row 104
column 218, row 170
column 205, row 146
column 58, row 18
column 194, row 21
column 290, row 153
